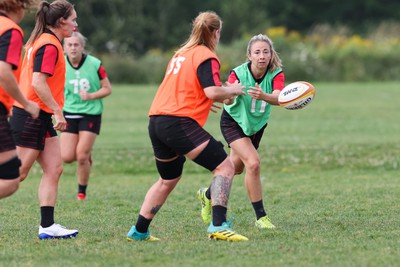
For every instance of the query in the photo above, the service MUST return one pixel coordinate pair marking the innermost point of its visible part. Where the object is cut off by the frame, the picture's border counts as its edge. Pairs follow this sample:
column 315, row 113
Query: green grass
column 330, row 178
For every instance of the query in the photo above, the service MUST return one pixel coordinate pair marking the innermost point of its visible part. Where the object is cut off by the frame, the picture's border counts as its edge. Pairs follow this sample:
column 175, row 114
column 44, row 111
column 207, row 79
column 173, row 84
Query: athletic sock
column 82, row 188
column 219, row 215
column 47, row 216
column 259, row 209
column 142, row 224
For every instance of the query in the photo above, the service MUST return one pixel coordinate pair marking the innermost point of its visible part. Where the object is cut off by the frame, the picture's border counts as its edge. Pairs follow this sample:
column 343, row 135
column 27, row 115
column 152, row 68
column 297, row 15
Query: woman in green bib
column 245, row 118
column 86, row 85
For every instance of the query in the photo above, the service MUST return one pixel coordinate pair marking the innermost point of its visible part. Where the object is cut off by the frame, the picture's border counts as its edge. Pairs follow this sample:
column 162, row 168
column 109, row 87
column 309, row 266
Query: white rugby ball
column 296, row 95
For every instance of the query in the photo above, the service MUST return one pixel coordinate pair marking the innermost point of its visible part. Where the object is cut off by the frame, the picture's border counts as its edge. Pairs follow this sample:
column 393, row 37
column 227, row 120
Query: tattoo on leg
column 155, row 209
column 220, row 189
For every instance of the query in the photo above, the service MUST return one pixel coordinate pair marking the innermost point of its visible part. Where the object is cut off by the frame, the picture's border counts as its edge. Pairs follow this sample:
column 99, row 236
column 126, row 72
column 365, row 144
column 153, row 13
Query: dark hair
column 203, row 29
column 14, row 5
column 49, row 15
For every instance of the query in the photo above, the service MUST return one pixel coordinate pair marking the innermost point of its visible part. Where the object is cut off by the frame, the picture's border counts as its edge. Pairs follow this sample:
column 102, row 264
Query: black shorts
column 171, row 136
column 232, row 131
column 6, row 139
column 29, row 132
column 82, row 122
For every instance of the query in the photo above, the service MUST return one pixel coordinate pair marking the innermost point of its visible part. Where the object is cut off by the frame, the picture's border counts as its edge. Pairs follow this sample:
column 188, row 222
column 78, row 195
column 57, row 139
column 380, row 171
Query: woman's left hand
column 256, row 92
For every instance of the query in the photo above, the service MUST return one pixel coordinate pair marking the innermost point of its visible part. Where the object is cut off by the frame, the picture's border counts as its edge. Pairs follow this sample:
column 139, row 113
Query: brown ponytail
column 203, row 29
column 49, row 15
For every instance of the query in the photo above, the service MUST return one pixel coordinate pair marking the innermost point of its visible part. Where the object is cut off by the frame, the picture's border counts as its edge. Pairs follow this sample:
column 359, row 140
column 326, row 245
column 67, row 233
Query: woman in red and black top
column 42, row 81
column 11, row 13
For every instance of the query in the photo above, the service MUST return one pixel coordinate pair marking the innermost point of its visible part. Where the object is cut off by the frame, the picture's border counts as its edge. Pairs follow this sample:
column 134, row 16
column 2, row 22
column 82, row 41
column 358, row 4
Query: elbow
column 108, row 92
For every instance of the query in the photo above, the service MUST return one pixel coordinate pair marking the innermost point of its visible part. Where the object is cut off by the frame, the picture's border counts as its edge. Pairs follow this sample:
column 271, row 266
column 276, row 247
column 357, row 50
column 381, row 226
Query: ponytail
column 49, row 15
column 203, row 29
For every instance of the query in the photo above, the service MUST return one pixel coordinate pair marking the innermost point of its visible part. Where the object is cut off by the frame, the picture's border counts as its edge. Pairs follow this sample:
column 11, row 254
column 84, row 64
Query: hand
column 61, row 123
column 85, row 95
column 236, row 88
column 214, row 108
column 256, row 92
column 32, row 108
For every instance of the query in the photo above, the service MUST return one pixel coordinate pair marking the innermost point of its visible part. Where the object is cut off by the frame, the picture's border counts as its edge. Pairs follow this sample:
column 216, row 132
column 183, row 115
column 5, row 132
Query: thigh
column 50, row 157
column 85, row 141
column 68, row 142
column 244, row 149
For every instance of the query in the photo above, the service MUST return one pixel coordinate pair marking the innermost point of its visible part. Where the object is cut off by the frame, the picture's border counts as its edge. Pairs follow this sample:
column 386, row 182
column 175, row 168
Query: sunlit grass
column 330, row 184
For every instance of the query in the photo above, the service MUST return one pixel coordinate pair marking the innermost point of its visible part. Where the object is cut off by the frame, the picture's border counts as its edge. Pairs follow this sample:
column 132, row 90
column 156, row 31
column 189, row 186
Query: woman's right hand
column 32, row 108
column 61, row 123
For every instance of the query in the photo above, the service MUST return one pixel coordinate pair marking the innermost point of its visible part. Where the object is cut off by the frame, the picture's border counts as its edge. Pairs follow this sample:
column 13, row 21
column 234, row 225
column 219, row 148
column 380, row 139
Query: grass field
column 330, row 178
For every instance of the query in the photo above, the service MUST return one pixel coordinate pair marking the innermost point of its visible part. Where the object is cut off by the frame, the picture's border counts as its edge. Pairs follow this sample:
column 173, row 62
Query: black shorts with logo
column 171, row 136
column 82, row 122
column 232, row 131
column 29, row 132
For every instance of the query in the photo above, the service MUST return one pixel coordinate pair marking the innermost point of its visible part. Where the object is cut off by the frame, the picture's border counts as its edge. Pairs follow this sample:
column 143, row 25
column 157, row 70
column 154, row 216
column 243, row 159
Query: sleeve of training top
column 208, row 73
column 46, row 59
column 102, row 72
column 10, row 47
column 232, row 77
column 278, row 83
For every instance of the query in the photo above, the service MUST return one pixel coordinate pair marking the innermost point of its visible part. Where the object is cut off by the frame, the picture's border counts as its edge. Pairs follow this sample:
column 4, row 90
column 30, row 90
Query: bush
column 325, row 54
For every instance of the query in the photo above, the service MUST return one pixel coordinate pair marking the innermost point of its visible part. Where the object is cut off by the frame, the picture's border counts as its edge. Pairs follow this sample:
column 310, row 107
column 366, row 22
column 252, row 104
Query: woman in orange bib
column 177, row 116
column 42, row 81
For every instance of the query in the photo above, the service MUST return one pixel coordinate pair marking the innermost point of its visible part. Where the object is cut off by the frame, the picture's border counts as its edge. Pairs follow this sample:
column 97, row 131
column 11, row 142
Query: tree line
column 137, row 26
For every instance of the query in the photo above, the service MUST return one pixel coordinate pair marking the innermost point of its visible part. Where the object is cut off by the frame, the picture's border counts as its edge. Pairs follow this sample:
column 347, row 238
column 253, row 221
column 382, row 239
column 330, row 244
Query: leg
column 219, row 228
column 51, row 163
column 68, row 142
column 83, row 153
column 27, row 156
column 156, row 197
column 9, row 168
column 222, row 174
column 244, row 150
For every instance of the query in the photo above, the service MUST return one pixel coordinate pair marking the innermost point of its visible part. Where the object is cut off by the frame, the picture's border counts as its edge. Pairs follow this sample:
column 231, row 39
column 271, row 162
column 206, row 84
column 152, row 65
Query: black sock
column 259, row 209
column 82, row 188
column 142, row 224
column 47, row 215
column 219, row 215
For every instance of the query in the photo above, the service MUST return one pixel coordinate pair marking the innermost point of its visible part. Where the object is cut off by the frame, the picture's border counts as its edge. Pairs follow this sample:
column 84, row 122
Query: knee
column 59, row 170
column 239, row 170
column 253, row 166
column 226, row 169
column 23, row 173
column 168, row 185
column 54, row 171
column 68, row 159
column 82, row 157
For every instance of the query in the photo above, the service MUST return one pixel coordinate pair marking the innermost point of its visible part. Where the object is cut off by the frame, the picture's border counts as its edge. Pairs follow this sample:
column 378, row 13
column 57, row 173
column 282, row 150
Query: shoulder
column 93, row 59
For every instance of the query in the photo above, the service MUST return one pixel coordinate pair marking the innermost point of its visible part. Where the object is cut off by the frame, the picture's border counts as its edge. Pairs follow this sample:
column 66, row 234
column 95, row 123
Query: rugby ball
column 296, row 95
